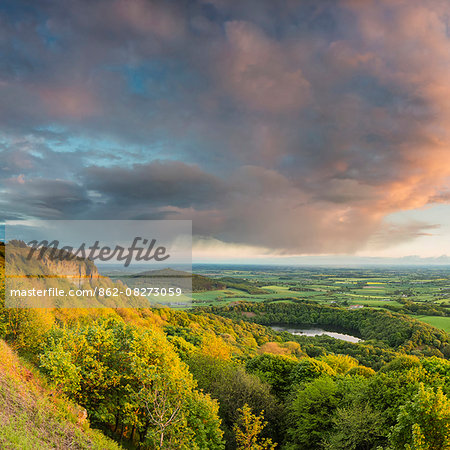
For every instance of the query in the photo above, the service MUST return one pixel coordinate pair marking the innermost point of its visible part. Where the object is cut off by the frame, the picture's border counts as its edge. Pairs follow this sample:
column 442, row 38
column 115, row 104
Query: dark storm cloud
column 160, row 183
column 52, row 199
column 295, row 126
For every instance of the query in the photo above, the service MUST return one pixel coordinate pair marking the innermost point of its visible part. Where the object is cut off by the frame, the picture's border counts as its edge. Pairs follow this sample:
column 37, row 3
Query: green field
column 421, row 292
column 439, row 322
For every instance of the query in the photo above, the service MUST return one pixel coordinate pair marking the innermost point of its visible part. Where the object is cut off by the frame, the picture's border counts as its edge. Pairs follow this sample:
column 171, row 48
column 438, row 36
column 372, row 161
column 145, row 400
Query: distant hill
column 242, row 285
column 177, row 278
column 200, row 283
column 168, row 272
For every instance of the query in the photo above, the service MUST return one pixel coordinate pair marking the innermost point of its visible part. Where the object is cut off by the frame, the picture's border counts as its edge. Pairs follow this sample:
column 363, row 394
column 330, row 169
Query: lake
column 315, row 332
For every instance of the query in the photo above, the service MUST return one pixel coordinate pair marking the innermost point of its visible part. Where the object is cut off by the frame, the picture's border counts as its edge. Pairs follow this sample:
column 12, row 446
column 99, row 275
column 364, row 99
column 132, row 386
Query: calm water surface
column 315, row 332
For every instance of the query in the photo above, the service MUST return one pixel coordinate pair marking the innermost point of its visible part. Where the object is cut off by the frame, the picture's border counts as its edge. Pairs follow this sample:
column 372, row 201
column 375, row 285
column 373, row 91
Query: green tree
column 424, row 422
column 355, row 427
column 389, row 391
column 361, row 371
column 274, row 369
column 25, row 328
column 248, row 429
column 233, row 387
column 404, row 362
column 310, row 413
column 340, row 363
column 175, row 414
column 60, row 368
column 309, row 368
column 132, row 380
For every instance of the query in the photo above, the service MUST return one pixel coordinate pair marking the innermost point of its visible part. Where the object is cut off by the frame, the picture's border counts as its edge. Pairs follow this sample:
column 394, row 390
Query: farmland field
column 422, row 292
column 439, row 322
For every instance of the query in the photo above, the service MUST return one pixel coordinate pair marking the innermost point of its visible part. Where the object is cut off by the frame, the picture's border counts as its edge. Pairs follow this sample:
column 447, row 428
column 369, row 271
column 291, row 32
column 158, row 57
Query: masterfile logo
column 102, row 253
column 98, row 263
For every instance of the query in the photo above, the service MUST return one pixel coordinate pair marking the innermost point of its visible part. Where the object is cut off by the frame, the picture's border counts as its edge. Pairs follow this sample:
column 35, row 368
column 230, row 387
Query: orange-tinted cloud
column 297, row 128
column 259, row 73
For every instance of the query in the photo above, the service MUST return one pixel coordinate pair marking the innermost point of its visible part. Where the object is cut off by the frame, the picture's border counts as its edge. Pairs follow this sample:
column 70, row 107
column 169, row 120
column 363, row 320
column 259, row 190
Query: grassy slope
column 439, row 322
column 31, row 417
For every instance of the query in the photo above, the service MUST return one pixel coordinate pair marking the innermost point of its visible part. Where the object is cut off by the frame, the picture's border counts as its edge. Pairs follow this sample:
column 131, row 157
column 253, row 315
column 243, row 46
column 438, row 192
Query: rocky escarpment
column 77, row 268
column 20, row 260
column 28, row 272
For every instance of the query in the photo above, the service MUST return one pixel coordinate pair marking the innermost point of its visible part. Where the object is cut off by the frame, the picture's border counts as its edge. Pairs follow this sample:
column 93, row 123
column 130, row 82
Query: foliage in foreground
column 176, row 380
column 33, row 416
column 134, row 381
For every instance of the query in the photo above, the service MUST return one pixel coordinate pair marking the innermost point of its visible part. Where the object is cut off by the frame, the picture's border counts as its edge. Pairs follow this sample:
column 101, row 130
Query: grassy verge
column 34, row 417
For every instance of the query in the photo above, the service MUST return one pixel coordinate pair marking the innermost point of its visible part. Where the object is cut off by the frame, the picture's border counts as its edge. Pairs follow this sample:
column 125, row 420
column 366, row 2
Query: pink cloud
column 75, row 102
column 150, row 18
column 258, row 72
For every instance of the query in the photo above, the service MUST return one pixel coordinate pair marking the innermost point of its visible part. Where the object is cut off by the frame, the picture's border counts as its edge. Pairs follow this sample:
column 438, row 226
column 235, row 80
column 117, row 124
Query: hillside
column 200, row 283
column 40, row 273
column 177, row 277
column 397, row 331
column 207, row 378
column 34, row 416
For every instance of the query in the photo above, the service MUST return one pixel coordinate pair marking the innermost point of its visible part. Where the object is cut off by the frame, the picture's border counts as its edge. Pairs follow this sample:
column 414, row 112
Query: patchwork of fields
column 415, row 291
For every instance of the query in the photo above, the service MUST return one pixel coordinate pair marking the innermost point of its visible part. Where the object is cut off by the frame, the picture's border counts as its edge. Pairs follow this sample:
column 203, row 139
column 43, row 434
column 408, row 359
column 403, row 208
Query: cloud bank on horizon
column 296, row 127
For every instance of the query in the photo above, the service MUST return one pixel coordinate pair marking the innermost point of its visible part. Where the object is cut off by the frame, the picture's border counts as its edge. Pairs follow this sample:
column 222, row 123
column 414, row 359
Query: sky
column 281, row 129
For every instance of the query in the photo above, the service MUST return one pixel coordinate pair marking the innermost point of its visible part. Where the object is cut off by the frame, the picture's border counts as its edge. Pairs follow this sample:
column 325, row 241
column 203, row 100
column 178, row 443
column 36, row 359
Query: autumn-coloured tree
column 424, row 422
column 248, row 430
column 133, row 381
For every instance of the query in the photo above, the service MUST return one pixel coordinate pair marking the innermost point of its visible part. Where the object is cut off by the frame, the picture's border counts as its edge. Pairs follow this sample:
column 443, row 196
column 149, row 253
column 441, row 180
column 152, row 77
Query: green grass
column 439, row 322
column 372, row 302
column 34, row 417
column 370, row 287
column 276, row 288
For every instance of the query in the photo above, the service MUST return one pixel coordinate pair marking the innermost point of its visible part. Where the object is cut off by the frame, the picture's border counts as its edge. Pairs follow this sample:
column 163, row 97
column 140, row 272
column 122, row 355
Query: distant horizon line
column 333, row 261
